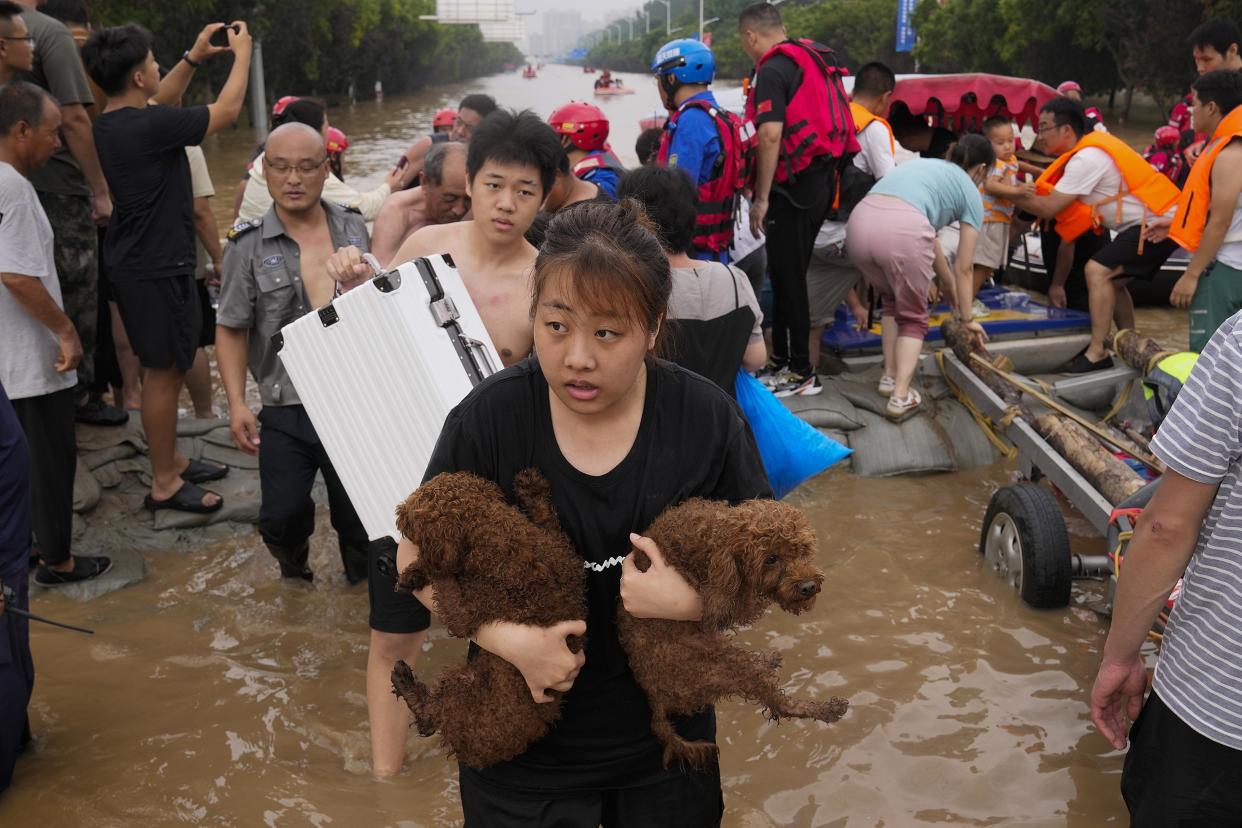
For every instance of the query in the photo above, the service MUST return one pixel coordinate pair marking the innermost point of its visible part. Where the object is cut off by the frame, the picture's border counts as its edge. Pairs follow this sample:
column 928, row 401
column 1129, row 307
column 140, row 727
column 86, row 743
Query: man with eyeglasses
column 16, row 42
column 274, row 273
column 150, row 241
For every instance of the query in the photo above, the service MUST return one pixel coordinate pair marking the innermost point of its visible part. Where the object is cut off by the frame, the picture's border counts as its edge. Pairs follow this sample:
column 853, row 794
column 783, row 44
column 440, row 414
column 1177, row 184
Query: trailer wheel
column 1025, row 541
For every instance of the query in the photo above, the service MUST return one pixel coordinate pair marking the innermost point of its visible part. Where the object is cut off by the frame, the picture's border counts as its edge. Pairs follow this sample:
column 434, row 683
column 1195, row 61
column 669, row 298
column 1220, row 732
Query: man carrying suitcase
column 274, row 273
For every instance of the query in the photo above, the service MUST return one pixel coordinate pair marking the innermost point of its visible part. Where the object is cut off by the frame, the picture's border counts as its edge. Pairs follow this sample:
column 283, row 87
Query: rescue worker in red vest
column 1099, row 184
column 703, row 140
column 802, row 117
column 1209, row 212
column 583, row 128
column 831, row 277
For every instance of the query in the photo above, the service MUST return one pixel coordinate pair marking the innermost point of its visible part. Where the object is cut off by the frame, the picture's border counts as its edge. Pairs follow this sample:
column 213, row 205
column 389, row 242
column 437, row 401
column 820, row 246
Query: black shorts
column 688, row 799
column 1174, row 775
column 1123, row 252
column 162, row 319
column 391, row 611
column 208, row 334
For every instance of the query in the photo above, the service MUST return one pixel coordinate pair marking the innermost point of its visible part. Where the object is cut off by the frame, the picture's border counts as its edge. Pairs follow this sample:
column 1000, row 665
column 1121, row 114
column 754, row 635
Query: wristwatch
column 186, row 57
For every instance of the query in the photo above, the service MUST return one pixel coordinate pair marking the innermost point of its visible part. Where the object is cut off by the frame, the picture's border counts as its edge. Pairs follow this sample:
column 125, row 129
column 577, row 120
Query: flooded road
column 214, row 694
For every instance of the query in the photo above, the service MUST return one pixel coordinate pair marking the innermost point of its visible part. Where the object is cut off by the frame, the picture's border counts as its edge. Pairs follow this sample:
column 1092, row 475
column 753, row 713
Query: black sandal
column 1081, row 365
column 199, row 472
column 84, row 568
column 189, row 498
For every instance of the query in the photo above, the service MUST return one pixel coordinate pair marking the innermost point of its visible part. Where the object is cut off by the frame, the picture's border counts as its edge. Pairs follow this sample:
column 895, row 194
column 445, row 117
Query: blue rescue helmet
column 687, row 60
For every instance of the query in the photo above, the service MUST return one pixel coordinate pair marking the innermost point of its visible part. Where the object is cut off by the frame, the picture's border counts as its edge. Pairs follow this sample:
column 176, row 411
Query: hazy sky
column 598, row 9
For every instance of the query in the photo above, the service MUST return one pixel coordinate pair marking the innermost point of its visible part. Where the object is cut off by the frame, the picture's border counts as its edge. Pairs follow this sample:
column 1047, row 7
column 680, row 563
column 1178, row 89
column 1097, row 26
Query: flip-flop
column 189, row 498
column 199, row 472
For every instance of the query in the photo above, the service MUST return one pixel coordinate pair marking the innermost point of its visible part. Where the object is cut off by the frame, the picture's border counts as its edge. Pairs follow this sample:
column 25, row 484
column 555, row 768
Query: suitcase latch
column 444, row 312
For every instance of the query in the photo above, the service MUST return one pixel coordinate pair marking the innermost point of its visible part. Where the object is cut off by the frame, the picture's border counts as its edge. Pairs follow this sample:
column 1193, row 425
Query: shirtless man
column 275, row 272
column 470, row 113
column 510, row 165
column 441, row 199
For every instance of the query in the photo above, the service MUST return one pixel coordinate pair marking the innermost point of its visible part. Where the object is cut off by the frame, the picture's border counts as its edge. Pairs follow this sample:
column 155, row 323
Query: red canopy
column 961, row 102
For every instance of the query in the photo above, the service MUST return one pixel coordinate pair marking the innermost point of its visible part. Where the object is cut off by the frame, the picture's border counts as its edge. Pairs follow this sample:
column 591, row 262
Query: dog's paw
column 830, row 711
column 412, row 579
column 696, row 755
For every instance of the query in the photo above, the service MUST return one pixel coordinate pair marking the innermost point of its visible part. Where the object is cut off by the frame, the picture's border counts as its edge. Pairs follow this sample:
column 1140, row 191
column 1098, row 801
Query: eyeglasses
column 27, row 39
column 1044, row 129
column 282, row 169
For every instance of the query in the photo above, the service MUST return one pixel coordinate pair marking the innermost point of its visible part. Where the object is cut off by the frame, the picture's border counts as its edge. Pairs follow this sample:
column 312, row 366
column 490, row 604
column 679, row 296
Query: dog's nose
column 808, row 588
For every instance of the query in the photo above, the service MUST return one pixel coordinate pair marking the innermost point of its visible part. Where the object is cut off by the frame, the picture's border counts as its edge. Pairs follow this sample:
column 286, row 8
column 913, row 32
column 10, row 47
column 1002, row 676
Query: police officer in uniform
column 273, row 274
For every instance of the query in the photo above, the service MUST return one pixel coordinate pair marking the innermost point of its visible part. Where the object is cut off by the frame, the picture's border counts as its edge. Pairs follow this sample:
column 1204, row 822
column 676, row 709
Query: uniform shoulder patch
column 243, row 227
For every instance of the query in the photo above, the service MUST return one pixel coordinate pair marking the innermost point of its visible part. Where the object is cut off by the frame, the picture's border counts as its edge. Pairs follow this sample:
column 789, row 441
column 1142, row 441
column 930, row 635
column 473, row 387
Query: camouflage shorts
column 77, row 265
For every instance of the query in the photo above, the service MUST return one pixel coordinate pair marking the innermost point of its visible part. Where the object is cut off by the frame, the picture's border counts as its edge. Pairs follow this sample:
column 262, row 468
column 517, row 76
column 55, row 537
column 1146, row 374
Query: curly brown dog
column 740, row 559
column 488, row 561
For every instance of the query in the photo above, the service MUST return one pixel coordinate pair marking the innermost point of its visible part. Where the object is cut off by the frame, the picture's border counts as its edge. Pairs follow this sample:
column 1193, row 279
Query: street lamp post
column 629, row 22
column 668, row 16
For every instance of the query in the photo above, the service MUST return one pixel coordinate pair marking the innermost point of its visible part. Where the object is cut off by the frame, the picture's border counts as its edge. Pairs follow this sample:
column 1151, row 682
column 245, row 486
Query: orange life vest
column 1196, row 198
column 1138, row 178
column 863, row 118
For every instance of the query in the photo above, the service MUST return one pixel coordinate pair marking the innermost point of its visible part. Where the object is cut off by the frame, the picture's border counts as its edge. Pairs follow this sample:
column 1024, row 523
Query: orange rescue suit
column 1139, row 179
column 1196, row 198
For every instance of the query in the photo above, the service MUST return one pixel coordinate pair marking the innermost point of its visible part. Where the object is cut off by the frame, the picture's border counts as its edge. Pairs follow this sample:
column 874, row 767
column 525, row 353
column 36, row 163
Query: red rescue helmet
column 280, row 105
column 584, row 123
column 337, row 142
column 1167, row 136
column 444, row 118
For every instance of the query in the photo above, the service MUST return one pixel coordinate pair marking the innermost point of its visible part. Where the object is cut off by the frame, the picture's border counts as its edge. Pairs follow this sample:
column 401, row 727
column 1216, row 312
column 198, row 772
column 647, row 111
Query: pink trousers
column 894, row 246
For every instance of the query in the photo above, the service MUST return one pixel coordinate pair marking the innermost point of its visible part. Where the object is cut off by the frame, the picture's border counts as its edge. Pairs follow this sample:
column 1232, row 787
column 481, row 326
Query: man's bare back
column 402, row 215
column 498, row 280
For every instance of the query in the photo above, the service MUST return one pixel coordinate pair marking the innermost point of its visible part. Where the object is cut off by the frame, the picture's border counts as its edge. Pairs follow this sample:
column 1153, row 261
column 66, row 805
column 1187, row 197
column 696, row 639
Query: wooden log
column 963, row 344
column 1136, row 350
column 1115, row 480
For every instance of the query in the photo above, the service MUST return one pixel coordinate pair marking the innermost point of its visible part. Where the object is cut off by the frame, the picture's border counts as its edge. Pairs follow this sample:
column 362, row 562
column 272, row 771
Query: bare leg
column 981, row 275
column 817, row 338
column 131, row 370
column 888, row 338
column 198, row 383
column 1102, row 298
column 908, row 349
column 1123, row 313
column 388, row 714
column 160, row 389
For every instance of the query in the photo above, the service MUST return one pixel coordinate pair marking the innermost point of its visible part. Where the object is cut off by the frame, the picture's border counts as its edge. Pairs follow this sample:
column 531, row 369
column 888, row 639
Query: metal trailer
column 1024, row 537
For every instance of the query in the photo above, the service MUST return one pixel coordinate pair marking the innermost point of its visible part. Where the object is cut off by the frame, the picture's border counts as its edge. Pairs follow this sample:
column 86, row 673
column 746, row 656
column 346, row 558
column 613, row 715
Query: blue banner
column 905, row 25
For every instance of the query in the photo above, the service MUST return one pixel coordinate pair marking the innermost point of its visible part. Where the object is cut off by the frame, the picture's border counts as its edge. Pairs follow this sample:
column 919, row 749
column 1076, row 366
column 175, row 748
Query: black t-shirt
column 142, row 152
column 775, row 84
column 693, row 441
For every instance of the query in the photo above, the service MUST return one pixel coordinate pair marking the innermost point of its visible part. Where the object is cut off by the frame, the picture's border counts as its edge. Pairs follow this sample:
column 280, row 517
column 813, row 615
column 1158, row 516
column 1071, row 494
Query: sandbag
column 86, row 491
column 197, row 428
column 241, row 504
column 968, row 446
column 103, row 456
column 828, row 409
column 93, row 438
column 792, row 451
column 230, row 457
column 885, row 449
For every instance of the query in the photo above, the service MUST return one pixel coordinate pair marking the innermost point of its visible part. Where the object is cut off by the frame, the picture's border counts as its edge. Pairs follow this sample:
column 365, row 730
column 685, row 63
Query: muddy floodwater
column 215, row 694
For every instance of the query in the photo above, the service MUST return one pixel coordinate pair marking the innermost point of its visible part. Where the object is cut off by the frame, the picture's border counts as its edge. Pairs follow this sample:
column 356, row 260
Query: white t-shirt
column 27, row 349
column 1230, row 251
column 200, row 187
column 875, row 157
column 1092, row 175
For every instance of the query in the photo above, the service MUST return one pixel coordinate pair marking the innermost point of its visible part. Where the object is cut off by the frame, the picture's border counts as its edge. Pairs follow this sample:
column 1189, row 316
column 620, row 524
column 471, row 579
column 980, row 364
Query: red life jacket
column 717, row 202
column 817, row 118
column 599, row 159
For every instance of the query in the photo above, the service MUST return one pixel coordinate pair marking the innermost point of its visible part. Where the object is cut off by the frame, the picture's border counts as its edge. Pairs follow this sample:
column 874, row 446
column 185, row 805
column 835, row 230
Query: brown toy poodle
column 740, row 559
column 488, row 561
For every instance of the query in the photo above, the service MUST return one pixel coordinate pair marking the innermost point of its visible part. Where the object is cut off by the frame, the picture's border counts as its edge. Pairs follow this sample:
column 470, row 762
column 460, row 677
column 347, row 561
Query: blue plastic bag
column 792, row 450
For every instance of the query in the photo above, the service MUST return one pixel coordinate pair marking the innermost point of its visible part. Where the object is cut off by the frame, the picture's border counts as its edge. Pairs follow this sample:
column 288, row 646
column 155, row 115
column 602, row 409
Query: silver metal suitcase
column 379, row 369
